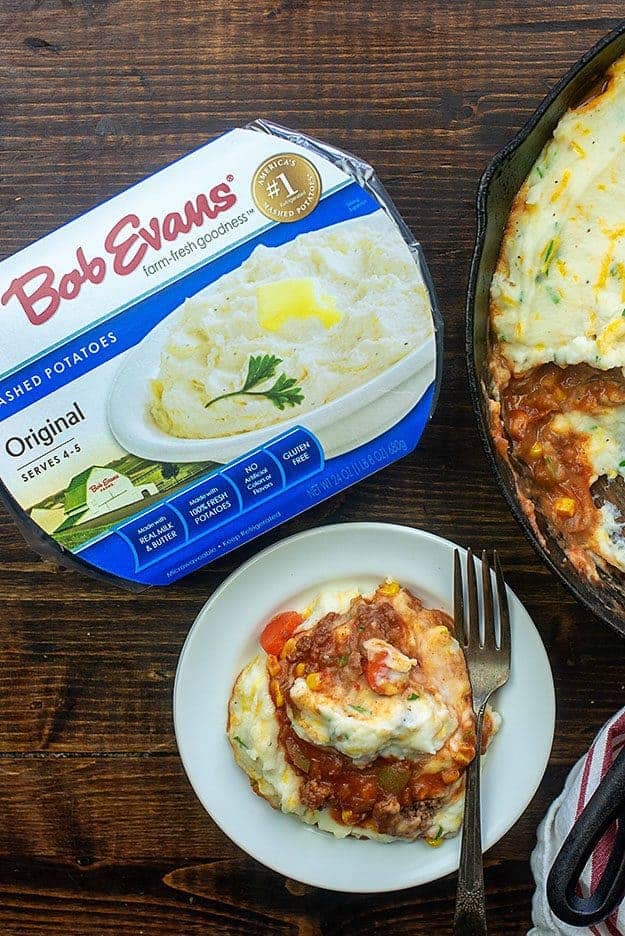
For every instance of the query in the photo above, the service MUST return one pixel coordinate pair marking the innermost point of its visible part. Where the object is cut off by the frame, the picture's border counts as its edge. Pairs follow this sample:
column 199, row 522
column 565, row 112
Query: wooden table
column 100, row 831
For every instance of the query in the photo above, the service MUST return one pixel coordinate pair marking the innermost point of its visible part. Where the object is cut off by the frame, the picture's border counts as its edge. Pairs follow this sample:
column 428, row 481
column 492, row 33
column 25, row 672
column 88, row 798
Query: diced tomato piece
column 278, row 631
column 375, row 673
column 383, row 680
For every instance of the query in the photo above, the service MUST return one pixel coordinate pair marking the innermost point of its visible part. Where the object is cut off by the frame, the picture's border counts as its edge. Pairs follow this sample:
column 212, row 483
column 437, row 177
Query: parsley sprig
column 284, row 392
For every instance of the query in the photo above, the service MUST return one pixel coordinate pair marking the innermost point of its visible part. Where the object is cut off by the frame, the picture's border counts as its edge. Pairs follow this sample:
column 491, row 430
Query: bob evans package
column 216, row 349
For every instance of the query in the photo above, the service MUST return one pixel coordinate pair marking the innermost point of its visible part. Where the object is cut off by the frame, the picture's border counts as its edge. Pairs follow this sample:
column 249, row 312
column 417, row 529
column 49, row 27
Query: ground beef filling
column 322, row 649
column 362, row 796
column 553, row 470
column 389, row 796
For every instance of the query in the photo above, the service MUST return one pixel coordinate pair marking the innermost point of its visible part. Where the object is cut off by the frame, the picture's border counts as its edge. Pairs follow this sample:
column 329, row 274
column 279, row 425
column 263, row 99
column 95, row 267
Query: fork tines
column 468, row 631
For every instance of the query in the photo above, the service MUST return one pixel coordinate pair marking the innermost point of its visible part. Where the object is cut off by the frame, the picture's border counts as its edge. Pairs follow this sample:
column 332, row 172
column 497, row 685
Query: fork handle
column 470, row 916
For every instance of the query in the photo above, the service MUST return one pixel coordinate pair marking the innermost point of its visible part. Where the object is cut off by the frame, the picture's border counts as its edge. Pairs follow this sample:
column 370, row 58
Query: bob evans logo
column 40, row 293
column 104, row 484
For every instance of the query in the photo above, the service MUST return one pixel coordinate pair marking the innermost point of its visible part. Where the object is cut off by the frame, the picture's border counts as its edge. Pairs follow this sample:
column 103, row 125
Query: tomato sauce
column 553, row 465
column 331, row 780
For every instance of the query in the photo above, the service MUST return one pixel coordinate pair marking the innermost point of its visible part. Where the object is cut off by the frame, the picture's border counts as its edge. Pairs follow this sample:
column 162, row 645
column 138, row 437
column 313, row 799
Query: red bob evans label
column 214, row 350
column 40, row 291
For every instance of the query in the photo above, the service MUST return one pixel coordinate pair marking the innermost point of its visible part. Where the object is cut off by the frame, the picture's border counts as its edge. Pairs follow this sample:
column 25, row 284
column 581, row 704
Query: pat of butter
column 286, row 299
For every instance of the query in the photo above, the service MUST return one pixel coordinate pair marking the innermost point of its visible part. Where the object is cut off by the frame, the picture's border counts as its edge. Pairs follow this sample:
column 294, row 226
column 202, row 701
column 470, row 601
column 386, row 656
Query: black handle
column 606, row 805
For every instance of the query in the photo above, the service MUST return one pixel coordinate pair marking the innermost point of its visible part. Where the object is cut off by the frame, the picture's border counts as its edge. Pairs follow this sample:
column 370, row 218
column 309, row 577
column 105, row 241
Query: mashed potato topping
column 332, row 309
column 359, row 719
column 558, row 321
column 364, row 725
column 558, row 293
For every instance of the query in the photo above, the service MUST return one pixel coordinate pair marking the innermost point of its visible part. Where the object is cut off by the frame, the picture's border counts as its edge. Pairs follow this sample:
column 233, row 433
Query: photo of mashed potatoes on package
column 292, row 329
column 222, row 346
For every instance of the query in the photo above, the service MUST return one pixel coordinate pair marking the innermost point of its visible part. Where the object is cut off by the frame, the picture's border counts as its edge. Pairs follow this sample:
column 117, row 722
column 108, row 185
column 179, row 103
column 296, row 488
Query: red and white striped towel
column 580, row 785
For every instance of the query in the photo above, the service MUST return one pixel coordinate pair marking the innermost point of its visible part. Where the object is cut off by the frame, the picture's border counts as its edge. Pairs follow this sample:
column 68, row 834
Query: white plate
column 341, row 425
column 224, row 637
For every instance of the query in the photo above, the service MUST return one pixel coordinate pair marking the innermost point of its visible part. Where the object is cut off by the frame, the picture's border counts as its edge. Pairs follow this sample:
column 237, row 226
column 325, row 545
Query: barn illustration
column 92, row 493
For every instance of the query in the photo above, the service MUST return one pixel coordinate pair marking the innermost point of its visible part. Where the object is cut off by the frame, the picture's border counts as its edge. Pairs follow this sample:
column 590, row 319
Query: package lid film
column 209, row 353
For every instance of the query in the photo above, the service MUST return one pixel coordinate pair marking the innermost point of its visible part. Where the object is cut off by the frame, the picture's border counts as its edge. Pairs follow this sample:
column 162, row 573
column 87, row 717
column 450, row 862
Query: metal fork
column 488, row 664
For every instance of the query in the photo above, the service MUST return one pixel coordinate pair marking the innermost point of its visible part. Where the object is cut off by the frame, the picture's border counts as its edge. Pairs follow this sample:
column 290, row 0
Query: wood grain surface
column 100, row 832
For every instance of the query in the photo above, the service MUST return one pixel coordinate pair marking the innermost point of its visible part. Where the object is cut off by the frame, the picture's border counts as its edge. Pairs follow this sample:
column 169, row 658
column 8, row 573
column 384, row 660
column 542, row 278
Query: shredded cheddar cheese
column 561, row 185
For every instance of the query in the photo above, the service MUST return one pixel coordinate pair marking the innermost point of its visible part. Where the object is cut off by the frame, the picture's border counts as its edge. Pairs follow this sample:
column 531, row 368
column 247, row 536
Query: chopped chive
column 242, row 743
column 549, row 250
column 552, row 467
column 342, row 660
column 359, row 708
column 541, row 174
column 548, row 256
column 621, row 464
column 554, row 296
column 412, row 697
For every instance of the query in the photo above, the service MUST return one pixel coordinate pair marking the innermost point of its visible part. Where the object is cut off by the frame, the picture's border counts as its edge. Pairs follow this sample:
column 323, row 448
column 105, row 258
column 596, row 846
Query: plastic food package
column 225, row 344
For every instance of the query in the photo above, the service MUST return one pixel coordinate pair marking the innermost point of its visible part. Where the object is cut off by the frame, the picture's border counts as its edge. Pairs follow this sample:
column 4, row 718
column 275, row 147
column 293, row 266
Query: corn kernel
column 313, row 681
column 389, row 589
column 288, row 648
column 273, row 667
column 346, row 815
column 565, row 506
column 277, row 693
column 387, row 688
column 536, row 450
column 434, row 842
column 465, row 755
column 300, row 669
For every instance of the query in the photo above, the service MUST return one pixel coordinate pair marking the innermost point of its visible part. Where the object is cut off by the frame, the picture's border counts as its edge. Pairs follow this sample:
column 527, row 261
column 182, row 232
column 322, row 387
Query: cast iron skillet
column 497, row 189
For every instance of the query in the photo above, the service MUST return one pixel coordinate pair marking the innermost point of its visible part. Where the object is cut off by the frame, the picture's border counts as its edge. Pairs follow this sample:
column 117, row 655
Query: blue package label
column 197, row 513
column 159, row 533
column 206, row 506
